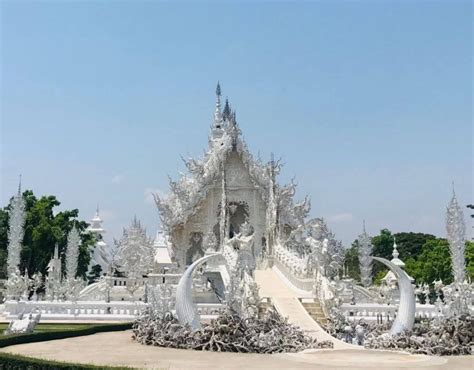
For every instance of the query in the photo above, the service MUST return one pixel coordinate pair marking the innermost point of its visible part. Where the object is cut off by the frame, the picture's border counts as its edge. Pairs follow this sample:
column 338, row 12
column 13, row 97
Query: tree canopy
column 427, row 257
column 43, row 230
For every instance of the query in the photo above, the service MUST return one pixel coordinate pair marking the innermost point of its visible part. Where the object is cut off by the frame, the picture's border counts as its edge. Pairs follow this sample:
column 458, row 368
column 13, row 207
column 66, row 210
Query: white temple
column 54, row 266
column 230, row 205
column 225, row 189
column 101, row 255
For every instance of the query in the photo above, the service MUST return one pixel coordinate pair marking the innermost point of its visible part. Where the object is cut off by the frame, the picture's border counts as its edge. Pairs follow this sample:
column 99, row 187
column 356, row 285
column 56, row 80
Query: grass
column 48, row 327
column 52, row 331
column 11, row 361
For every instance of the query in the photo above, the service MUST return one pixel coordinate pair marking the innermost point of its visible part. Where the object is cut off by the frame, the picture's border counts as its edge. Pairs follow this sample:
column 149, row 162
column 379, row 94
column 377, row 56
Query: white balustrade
column 92, row 310
column 374, row 311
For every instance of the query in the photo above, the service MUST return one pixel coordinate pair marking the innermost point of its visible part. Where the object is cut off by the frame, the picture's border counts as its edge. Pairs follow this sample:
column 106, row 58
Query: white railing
column 210, row 309
column 375, row 311
column 301, row 283
column 92, row 310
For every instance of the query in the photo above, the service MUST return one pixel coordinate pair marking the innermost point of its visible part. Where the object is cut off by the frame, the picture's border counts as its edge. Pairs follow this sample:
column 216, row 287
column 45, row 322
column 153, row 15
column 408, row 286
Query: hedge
column 10, row 361
column 17, row 362
column 10, row 340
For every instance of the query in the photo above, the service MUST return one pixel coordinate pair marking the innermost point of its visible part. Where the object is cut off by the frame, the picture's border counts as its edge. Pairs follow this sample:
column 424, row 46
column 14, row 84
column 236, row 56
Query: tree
column 409, row 245
column 94, row 274
column 383, row 247
column 351, row 261
column 43, row 229
column 433, row 263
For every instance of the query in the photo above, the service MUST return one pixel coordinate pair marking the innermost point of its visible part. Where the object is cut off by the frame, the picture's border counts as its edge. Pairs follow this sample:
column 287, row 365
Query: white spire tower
column 365, row 259
column 96, row 223
column 217, row 125
column 456, row 230
column 16, row 224
column 101, row 255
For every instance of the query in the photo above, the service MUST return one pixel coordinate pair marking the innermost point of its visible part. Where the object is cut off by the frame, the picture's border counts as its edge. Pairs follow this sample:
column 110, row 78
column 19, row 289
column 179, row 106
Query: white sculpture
column 73, row 285
column 53, row 281
column 456, row 229
column 25, row 324
column 135, row 253
column 72, row 253
column 185, row 308
column 406, row 308
column 365, row 261
column 16, row 223
column 102, row 254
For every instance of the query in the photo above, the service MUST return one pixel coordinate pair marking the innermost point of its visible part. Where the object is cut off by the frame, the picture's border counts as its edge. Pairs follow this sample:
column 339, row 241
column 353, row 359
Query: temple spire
column 395, row 253
column 456, row 229
column 227, row 111
column 217, row 112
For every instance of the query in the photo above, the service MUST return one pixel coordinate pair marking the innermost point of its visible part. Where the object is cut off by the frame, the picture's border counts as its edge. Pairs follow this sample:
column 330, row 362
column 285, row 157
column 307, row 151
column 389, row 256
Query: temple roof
column 191, row 189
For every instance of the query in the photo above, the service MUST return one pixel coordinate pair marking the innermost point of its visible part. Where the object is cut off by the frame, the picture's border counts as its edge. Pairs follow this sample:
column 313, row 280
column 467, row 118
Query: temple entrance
column 195, row 250
column 238, row 214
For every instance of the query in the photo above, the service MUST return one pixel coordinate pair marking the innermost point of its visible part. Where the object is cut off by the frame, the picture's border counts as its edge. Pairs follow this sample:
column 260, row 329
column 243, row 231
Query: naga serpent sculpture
column 406, row 308
column 186, row 310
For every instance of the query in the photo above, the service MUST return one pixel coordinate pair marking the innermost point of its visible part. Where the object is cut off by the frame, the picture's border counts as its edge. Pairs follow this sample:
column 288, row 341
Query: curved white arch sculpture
column 406, row 308
column 185, row 308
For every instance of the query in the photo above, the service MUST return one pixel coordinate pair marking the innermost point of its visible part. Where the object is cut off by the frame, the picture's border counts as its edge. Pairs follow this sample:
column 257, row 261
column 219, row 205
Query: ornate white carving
column 134, row 251
column 406, row 308
column 365, row 261
column 186, row 310
column 456, row 230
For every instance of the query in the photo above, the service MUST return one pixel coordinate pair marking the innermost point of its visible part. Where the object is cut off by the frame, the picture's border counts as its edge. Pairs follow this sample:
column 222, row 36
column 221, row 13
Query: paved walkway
column 287, row 304
column 118, row 349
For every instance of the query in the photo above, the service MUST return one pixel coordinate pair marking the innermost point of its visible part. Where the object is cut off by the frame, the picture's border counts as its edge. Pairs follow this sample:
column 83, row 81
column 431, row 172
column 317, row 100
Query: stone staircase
column 316, row 312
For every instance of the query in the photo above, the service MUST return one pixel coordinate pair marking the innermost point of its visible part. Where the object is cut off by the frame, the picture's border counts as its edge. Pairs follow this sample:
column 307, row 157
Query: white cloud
column 341, row 217
column 149, row 194
column 117, row 179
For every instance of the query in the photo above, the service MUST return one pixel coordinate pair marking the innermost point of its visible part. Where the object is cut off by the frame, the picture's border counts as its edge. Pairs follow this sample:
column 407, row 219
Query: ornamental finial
column 395, row 253
column 217, row 112
column 227, row 111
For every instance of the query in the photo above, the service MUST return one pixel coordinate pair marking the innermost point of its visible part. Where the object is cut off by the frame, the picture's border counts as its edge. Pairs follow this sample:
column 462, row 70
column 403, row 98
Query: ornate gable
column 227, row 151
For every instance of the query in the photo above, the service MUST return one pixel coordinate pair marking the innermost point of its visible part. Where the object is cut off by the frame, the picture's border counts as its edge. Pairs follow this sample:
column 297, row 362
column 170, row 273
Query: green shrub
column 10, row 361
column 9, row 340
column 16, row 362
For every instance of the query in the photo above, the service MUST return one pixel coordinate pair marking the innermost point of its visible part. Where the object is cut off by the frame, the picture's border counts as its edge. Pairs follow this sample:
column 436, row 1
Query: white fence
column 301, row 283
column 383, row 312
column 92, row 310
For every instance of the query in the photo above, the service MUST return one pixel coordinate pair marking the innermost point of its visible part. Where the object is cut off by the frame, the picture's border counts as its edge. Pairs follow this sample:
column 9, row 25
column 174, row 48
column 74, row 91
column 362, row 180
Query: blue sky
column 368, row 103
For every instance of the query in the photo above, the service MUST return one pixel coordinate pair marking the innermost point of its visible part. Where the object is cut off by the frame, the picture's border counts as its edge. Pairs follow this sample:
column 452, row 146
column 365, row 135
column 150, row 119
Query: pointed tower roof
column 395, row 260
column 96, row 223
column 217, row 113
column 227, row 111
